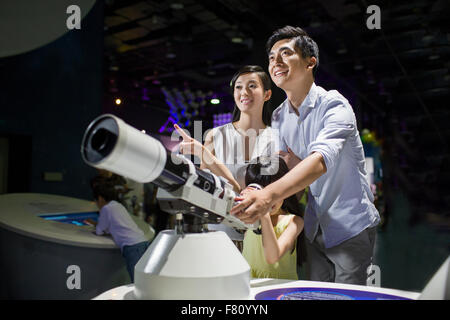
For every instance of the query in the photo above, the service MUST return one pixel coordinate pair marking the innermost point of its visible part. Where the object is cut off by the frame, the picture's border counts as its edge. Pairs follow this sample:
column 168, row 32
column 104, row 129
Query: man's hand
column 290, row 158
column 254, row 205
column 90, row 222
column 258, row 203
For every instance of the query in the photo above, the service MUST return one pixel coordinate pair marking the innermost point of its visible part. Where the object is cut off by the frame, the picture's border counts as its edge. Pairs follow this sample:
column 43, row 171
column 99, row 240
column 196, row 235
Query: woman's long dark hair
column 267, row 109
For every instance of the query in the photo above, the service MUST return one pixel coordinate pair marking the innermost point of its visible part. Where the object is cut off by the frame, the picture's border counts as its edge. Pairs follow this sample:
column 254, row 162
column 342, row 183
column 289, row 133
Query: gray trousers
column 345, row 263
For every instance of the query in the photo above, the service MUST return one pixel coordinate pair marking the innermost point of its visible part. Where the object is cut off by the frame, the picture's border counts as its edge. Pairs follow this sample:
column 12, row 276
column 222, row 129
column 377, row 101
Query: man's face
column 100, row 202
column 287, row 68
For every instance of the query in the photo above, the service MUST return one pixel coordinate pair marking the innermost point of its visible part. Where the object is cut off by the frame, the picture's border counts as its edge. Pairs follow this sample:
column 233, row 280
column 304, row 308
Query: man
column 319, row 127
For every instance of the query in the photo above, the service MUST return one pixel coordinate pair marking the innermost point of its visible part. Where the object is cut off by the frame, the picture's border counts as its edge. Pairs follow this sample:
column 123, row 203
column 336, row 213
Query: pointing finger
column 181, row 132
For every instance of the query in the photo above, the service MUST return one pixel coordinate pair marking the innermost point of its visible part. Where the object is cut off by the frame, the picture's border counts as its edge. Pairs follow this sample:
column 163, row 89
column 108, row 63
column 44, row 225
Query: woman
column 229, row 148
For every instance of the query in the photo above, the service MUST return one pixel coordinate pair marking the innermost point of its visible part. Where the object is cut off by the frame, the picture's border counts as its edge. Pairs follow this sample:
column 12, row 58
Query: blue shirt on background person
column 340, row 201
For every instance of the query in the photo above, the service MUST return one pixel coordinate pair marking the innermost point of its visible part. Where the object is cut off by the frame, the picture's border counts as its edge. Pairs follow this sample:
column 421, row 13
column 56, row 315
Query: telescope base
column 201, row 266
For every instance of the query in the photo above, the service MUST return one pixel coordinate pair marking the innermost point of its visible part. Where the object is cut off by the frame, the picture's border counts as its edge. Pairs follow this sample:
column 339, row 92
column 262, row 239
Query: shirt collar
column 309, row 102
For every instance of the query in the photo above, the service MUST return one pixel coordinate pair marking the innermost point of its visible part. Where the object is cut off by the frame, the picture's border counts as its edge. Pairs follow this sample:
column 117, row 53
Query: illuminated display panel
column 75, row 218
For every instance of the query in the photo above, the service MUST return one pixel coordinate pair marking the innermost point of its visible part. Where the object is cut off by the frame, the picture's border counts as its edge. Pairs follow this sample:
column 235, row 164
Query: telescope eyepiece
column 100, row 139
column 103, row 141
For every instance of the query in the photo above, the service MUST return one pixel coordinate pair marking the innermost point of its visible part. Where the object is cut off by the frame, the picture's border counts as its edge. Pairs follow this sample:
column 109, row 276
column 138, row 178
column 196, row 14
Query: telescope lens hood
column 100, row 139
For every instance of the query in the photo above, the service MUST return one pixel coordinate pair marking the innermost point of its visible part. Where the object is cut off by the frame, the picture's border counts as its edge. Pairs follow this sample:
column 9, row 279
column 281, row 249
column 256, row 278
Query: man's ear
column 312, row 62
column 267, row 95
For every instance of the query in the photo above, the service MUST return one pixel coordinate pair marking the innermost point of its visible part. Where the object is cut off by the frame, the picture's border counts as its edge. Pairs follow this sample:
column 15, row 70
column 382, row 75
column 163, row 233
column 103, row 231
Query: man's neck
column 297, row 95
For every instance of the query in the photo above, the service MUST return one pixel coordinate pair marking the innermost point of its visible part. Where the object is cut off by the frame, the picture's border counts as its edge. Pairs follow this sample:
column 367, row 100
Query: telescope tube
column 109, row 143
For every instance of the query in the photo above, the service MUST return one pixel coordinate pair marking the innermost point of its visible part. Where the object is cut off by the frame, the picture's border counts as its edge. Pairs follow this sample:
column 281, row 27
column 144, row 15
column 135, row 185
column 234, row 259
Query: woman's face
column 249, row 93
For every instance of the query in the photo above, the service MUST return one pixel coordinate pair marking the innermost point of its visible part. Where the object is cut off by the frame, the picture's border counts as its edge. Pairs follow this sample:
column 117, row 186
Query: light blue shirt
column 114, row 219
column 340, row 201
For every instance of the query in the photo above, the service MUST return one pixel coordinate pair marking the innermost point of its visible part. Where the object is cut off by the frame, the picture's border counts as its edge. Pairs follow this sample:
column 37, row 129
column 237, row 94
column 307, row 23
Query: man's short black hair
column 307, row 46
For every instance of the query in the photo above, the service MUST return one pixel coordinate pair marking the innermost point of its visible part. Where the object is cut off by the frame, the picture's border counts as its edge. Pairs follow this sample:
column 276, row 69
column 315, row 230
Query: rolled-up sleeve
column 338, row 124
column 279, row 144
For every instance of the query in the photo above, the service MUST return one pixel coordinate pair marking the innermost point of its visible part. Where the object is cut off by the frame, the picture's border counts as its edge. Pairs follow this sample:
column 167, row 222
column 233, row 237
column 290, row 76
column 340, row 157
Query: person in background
column 115, row 220
column 120, row 186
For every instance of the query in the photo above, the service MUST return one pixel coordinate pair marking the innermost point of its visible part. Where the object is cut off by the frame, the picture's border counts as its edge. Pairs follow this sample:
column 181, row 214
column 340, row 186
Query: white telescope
column 188, row 262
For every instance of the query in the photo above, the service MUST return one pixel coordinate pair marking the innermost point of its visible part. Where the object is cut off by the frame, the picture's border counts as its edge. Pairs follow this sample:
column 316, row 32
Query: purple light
column 164, row 126
column 221, row 119
column 145, row 94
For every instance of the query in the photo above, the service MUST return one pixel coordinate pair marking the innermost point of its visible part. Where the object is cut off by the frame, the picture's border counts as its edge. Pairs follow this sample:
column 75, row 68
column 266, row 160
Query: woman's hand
column 208, row 160
column 189, row 145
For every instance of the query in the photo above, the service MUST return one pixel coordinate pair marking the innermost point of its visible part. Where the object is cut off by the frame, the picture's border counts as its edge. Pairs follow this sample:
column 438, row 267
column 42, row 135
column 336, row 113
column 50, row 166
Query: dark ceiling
column 200, row 44
column 397, row 78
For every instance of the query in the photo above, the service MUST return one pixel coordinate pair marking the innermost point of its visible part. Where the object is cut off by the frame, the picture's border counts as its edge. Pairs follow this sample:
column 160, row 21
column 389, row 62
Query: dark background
column 396, row 78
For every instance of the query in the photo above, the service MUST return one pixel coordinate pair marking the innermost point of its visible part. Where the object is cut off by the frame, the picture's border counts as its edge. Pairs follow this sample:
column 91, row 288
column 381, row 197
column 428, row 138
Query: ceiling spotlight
column 342, row 50
column 237, row 39
column 170, row 52
column 215, row 101
column 118, row 101
column 427, row 38
column 434, row 57
column 177, row 6
column 315, row 22
column 358, row 66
